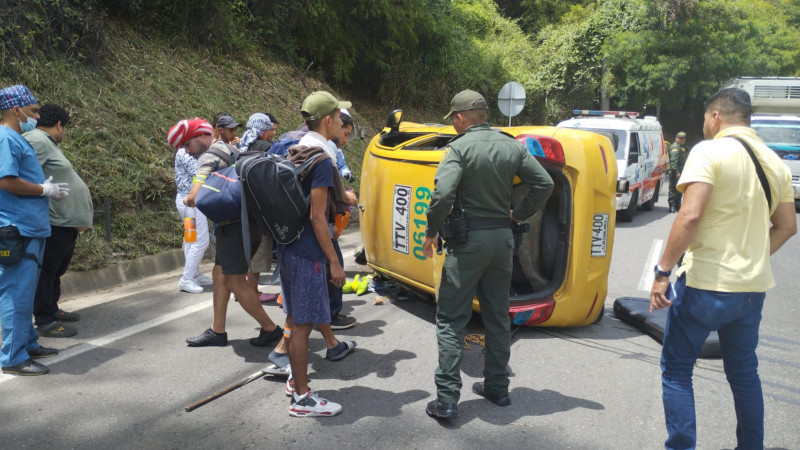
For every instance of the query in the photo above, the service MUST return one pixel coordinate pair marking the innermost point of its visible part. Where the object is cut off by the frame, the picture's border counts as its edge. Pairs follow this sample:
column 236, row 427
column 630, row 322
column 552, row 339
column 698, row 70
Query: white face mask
column 29, row 124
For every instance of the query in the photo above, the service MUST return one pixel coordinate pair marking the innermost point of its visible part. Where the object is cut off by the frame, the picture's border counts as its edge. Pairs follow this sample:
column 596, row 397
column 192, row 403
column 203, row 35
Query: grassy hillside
column 121, row 112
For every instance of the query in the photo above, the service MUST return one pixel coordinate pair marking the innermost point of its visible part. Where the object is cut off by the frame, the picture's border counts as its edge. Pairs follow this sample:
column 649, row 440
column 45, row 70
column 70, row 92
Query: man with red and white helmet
column 230, row 266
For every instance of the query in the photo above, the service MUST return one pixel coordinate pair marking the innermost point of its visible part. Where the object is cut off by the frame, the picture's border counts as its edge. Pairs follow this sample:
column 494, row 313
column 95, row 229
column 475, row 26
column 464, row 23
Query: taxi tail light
column 543, row 147
column 532, row 313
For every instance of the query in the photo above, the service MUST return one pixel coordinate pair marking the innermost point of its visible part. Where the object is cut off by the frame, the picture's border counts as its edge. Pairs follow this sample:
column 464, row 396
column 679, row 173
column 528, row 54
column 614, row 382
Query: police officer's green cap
column 319, row 104
column 680, row 134
column 466, row 100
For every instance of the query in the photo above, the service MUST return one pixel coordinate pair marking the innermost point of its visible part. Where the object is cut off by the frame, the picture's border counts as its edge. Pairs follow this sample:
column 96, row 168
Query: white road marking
column 121, row 334
column 646, row 280
column 96, row 298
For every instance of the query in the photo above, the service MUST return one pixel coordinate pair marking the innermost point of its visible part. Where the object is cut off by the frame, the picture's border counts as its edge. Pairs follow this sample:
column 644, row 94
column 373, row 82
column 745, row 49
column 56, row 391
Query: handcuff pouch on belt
column 454, row 229
column 456, row 225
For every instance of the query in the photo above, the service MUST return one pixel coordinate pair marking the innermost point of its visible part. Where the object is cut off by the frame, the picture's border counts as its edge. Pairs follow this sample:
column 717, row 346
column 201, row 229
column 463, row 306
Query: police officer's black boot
column 439, row 410
column 673, row 209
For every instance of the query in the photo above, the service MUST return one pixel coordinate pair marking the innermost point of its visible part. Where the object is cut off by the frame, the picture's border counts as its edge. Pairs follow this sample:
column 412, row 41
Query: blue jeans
column 17, row 287
column 693, row 315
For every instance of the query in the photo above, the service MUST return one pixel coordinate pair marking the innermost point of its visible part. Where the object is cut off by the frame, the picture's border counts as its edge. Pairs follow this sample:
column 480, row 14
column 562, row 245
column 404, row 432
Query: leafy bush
column 72, row 28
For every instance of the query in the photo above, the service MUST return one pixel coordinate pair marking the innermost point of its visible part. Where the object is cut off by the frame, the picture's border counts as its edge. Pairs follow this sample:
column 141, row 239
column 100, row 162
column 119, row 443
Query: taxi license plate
column 400, row 218
column 599, row 235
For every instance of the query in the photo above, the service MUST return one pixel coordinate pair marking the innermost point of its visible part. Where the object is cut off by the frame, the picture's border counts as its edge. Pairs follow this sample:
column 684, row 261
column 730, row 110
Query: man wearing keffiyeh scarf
column 257, row 125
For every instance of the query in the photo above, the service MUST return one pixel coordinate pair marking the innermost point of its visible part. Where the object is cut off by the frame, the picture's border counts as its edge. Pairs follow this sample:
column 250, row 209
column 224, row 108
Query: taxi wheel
column 626, row 215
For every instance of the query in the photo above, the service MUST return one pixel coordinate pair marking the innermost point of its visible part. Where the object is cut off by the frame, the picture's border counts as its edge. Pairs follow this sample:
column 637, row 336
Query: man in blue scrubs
column 24, row 204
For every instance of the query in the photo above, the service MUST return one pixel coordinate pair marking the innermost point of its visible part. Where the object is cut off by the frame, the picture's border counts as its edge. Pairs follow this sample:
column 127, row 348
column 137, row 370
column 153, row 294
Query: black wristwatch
column 661, row 273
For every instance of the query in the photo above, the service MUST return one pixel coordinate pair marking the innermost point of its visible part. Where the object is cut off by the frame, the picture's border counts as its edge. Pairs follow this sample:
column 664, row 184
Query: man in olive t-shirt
column 68, row 217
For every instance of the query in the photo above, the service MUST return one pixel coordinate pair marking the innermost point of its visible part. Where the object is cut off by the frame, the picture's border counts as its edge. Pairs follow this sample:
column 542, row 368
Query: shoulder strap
column 762, row 177
column 228, row 158
column 246, row 231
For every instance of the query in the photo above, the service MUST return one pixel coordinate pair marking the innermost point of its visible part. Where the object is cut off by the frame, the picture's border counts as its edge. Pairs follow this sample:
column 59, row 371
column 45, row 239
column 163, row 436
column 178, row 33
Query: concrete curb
column 78, row 283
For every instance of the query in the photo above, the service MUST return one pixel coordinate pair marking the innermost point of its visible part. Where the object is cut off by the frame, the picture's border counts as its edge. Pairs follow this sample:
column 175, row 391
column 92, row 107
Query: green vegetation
column 129, row 69
column 121, row 112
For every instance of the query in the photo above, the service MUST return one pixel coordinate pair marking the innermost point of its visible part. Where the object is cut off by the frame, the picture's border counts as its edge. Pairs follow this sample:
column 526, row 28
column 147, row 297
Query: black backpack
column 274, row 196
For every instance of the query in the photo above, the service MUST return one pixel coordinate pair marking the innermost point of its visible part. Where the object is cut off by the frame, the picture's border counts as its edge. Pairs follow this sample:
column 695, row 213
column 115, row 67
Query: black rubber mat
column 636, row 311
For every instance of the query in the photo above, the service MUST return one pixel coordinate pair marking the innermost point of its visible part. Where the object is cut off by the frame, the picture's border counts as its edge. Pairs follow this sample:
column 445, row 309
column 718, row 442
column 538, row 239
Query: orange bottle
column 190, row 225
column 341, row 222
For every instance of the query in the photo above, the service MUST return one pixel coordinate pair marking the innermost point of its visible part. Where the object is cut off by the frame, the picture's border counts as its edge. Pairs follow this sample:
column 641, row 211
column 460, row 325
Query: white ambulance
column 640, row 154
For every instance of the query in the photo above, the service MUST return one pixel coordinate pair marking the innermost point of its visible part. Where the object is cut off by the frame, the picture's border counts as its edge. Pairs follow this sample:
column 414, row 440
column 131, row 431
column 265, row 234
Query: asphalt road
column 124, row 380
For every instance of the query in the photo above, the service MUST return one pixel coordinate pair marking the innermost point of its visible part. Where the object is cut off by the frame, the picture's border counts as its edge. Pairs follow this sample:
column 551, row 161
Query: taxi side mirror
column 393, row 121
column 623, row 185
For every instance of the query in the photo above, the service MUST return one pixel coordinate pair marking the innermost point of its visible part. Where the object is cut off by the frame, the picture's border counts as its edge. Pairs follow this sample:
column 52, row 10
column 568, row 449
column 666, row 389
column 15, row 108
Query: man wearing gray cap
column 225, row 127
column 24, row 226
column 480, row 264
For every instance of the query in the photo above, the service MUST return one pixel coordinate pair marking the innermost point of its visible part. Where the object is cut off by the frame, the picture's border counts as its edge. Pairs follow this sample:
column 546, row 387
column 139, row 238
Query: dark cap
column 467, row 100
column 272, row 119
column 680, row 134
column 227, row 121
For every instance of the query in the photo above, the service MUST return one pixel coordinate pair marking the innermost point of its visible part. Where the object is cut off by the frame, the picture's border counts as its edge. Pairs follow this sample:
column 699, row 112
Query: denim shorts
column 304, row 285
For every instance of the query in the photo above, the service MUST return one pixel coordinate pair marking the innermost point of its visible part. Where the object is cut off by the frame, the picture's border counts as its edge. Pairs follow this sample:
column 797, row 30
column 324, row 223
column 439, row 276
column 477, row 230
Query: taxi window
column 395, row 139
column 438, row 142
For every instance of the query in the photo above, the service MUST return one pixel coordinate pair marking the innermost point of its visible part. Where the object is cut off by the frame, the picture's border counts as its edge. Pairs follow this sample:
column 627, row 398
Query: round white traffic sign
column 511, row 99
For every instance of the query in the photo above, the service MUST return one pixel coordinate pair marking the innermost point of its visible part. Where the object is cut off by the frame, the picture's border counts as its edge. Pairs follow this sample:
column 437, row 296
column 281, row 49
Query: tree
column 685, row 50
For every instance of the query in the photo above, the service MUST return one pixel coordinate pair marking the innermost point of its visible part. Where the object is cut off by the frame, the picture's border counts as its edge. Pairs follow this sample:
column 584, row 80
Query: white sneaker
column 190, row 286
column 203, row 280
column 290, row 384
column 311, row 404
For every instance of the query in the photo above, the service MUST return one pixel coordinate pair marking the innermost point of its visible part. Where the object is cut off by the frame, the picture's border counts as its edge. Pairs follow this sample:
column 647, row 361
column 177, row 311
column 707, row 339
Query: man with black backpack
column 230, row 266
column 304, row 279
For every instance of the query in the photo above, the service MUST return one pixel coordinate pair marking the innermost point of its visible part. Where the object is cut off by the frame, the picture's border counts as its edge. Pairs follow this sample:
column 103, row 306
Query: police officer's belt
column 487, row 224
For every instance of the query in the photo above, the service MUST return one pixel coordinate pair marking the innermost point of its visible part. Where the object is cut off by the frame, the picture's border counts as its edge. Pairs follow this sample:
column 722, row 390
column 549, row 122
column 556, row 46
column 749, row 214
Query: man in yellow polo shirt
column 728, row 230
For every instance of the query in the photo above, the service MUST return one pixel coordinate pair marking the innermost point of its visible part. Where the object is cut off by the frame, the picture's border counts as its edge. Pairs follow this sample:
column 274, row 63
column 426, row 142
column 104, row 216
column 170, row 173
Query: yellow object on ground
column 354, row 283
column 348, row 287
column 362, row 287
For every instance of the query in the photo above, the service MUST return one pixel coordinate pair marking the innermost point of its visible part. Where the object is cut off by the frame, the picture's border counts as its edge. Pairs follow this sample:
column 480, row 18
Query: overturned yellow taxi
column 560, row 266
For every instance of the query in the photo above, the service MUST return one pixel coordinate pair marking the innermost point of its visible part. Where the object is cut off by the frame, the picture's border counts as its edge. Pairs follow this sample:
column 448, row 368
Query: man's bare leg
column 298, row 356
column 327, row 334
column 221, row 297
column 248, row 298
column 283, row 345
column 253, row 278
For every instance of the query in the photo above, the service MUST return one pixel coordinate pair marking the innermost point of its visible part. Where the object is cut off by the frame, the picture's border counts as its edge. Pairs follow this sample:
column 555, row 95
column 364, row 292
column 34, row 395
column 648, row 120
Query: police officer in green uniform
column 478, row 167
column 677, row 158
